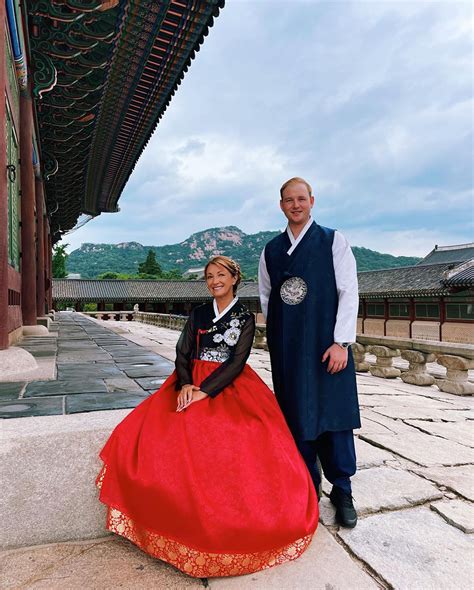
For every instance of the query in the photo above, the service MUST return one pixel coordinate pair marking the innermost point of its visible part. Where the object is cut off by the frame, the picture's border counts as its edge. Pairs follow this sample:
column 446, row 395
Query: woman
column 204, row 474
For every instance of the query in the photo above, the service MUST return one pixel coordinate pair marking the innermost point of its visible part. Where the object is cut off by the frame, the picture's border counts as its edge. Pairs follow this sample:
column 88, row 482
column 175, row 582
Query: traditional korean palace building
column 433, row 300
column 83, row 84
column 175, row 297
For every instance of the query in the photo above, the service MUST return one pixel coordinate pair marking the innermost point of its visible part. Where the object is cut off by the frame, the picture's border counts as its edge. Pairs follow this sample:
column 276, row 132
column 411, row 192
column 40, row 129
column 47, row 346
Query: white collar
column 218, row 314
column 295, row 241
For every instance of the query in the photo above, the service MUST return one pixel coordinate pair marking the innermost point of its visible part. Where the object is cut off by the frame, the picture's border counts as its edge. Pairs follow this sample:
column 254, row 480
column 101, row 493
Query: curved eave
column 100, row 90
column 108, row 201
column 407, row 294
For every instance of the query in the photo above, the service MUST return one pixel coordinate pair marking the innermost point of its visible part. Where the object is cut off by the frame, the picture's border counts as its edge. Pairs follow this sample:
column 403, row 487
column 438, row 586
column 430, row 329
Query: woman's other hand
column 189, row 394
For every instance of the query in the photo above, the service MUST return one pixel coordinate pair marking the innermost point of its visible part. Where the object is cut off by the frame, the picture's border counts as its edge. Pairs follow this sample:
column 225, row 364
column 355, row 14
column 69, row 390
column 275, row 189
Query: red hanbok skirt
column 219, row 489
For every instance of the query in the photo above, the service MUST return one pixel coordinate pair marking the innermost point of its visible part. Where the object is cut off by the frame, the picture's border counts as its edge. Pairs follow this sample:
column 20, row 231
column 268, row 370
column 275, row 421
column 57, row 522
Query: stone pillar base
column 456, row 387
column 15, row 361
column 35, row 331
column 423, row 379
column 385, row 372
column 44, row 321
column 384, row 366
column 416, row 374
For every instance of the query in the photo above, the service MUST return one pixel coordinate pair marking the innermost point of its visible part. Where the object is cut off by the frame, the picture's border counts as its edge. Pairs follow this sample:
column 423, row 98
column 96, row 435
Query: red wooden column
column 3, row 191
column 50, row 271
column 40, row 259
column 28, row 204
column 46, row 260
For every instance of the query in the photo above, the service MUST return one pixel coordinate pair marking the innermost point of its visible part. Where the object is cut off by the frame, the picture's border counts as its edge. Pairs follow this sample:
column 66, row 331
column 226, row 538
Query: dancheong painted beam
column 104, row 72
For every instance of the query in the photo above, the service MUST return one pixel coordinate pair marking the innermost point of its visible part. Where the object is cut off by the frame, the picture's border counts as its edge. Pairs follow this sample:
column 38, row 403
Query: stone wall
column 425, row 330
column 398, row 328
column 374, row 326
column 458, row 332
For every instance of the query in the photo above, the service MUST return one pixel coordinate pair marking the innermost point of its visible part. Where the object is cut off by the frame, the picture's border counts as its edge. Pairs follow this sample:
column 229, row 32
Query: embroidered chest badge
column 293, row 291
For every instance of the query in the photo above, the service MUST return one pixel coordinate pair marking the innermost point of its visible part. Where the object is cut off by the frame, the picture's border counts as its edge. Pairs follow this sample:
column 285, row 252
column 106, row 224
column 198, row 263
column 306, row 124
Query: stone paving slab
column 457, row 513
column 91, row 402
column 88, row 565
column 413, row 550
column 324, row 566
column 384, row 488
column 420, row 413
column 21, row 408
column 80, row 371
column 151, row 383
column 460, row 480
column 462, row 433
column 138, row 372
column 423, row 449
column 370, row 456
column 11, row 390
column 48, row 388
column 122, row 384
column 75, row 356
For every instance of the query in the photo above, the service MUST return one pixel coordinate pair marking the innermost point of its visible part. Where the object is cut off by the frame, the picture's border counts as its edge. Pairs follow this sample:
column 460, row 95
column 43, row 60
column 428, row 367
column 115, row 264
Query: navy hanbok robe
column 298, row 333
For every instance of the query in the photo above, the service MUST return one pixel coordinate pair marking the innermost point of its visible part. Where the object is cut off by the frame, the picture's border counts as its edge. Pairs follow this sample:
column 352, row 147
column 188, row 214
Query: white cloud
column 371, row 101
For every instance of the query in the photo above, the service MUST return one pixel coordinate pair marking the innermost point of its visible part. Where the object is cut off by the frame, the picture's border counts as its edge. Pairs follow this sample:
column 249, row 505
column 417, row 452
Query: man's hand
column 337, row 358
column 188, row 395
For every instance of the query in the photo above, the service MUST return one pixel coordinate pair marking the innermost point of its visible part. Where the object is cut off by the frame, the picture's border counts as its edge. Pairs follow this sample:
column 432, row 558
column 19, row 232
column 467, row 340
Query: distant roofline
column 455, row 247
column 359, row 272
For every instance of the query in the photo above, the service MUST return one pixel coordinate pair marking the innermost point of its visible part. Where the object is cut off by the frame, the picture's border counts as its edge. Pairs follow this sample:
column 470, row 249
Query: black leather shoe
column 346, row 514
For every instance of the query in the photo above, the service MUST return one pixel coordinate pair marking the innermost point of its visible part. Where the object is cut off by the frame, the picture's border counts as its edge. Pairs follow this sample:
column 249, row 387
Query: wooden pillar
column 46, row 277
column 442, row 317
column 411, row 315
column 3, row 191
column 28, row 203
column 40, row 262
column 50, row 271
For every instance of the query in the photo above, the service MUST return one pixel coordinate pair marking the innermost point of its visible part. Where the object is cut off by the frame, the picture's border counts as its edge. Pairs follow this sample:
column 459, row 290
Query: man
column 308, row 290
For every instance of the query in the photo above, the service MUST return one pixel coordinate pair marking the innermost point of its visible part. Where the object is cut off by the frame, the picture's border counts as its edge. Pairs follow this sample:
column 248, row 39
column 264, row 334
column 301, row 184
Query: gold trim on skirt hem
column 196, row 563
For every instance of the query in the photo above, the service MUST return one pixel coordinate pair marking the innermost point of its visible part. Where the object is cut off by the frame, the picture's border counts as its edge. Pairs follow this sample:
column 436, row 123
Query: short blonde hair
column 296, row 180
column 230, row 265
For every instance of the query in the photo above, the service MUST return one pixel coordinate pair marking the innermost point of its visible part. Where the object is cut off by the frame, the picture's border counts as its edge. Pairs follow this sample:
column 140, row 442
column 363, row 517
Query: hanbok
column 218, row 489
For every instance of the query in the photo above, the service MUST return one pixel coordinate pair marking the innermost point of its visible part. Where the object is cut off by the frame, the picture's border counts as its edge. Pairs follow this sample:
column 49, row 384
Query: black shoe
column 346, row 514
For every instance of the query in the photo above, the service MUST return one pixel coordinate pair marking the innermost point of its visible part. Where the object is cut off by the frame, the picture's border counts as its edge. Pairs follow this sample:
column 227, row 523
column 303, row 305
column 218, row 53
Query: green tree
column 59, row 261
column 172, row 274
column 150, row 266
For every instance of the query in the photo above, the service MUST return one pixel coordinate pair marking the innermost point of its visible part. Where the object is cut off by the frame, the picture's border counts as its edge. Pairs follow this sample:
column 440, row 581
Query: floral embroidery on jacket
column 217, row 355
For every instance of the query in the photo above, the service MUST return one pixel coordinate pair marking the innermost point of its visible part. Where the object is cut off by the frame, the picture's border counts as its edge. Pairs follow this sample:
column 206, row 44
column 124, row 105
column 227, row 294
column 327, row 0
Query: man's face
column 296, row 204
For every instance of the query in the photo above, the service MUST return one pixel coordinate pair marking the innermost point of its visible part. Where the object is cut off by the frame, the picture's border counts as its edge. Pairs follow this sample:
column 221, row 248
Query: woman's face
column 219, row 281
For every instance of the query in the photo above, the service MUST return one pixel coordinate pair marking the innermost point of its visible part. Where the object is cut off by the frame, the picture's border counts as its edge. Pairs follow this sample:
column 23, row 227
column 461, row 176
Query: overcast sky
column 372, row 102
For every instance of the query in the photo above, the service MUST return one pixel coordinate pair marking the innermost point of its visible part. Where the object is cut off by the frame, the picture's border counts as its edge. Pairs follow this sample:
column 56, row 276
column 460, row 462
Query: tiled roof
column 104, row 73
column 406, row 281
column 90, row 290
column 446, row 254
column 463, row 278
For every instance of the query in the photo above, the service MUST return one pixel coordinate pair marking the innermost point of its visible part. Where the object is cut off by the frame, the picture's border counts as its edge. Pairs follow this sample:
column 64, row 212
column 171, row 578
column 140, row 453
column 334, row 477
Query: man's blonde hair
column 229, row 264
column 296, row 180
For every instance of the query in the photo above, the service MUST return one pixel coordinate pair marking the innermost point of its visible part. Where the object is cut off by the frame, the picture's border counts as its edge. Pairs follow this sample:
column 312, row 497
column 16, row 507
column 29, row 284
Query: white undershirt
column 345, row 271
column 218, row 314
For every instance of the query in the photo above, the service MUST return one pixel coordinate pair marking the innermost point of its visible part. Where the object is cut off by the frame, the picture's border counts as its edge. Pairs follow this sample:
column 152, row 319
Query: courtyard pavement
column 414, row 489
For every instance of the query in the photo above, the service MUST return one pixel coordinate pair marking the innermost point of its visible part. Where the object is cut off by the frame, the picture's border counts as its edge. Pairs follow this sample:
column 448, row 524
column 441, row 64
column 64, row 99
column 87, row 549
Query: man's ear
column 311, row 200
column 281, row 204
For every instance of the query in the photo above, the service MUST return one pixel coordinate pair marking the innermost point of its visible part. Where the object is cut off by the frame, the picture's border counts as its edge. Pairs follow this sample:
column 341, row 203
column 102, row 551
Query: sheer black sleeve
column 232, row 367
column 184, row 353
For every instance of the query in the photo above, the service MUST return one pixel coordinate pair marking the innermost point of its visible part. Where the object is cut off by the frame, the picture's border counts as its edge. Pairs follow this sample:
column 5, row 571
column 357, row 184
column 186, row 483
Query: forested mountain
column 91, row 260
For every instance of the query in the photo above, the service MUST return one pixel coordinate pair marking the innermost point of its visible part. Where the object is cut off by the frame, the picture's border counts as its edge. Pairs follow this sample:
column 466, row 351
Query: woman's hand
column 188, row 395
